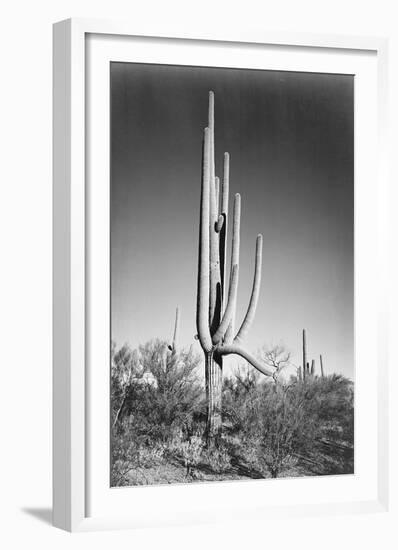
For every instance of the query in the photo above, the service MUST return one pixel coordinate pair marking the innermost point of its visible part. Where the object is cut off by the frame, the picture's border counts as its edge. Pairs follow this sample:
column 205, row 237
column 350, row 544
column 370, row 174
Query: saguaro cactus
column 173, row 346
column 215, row 316
column 321, row 362
column 299, row 373
column 304, row 355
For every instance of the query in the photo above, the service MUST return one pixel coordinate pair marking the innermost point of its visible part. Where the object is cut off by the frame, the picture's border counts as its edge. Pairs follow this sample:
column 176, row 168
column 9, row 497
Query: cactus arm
column 242, row 333
column 223, row 226
column 236, row 232
column 217, row 193
column 225, row 186
column 236, row 349
column 213, row 217
column 313, row 367
column 234, row 260
column 215, row 278
column 233, row 288
column 211, row 134
column 203, row 271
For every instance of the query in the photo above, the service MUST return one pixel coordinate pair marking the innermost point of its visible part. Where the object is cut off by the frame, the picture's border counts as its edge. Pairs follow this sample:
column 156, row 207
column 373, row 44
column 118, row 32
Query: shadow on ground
column 44, row 515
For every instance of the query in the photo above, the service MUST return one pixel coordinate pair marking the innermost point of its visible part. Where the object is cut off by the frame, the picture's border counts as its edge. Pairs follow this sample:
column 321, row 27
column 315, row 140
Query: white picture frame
column 80, row 498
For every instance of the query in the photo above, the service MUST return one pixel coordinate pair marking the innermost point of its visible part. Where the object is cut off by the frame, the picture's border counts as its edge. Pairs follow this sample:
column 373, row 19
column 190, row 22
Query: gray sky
column 290, row 137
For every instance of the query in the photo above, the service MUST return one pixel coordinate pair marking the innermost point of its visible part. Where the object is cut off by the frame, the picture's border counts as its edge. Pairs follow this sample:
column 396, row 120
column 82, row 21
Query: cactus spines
column 215, row 311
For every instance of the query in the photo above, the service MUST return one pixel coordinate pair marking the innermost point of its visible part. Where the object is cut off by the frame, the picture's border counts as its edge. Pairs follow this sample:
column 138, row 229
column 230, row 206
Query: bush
column 125, row 369
column 191, row 450
column 269, row 426
column 173, row 399
column 218, row 458
column 156, row 398
column 162, row 392
column 275, row 424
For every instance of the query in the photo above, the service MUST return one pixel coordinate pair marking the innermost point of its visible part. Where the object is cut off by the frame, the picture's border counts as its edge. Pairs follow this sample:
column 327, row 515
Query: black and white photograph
column 232, row 274
column 199, row 302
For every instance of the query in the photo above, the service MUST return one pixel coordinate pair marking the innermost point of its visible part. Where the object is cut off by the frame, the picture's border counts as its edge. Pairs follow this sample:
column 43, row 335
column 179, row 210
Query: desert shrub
column 156, row 398
column 175, row 397
column 263, row 458
column 239, row 397
column 131, row 453
column 125, row 369
column 124, row 458
column 218, row 458
column 287, row 428
column 331, row 401
column 161, row 394
column 148, row 457
column 191, row 451
column 275, row 424
column 246, row 380
column 269, row 425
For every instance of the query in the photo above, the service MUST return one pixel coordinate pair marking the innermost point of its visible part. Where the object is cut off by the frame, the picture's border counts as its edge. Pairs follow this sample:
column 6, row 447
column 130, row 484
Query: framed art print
column 217, row 303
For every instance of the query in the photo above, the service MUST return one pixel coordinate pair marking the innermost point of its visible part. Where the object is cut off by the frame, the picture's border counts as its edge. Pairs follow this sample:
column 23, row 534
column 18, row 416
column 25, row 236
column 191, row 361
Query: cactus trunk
column 213, row 370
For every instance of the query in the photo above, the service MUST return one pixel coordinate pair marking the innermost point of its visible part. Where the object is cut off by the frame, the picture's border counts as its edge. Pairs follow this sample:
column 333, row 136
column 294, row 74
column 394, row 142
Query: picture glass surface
column 232, row 263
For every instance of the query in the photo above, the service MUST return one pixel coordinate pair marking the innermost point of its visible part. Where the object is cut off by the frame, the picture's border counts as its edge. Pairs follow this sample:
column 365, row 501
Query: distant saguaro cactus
column 299, row 374
column 304, row 355
column 173, row 346
column 215, row 317
column 321, row 362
